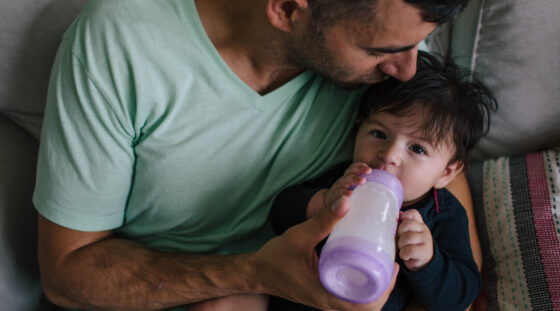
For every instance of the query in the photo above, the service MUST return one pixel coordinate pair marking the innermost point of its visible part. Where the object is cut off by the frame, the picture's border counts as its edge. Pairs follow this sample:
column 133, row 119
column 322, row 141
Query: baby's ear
column 449, row 173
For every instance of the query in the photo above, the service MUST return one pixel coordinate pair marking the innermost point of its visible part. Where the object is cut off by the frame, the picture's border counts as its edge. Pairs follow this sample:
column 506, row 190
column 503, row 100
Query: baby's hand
column 344, row 185
column 414, row 240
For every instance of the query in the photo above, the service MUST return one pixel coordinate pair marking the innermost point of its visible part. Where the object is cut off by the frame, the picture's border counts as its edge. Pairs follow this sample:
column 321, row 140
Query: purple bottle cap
column 387, row 179
column 355, row 270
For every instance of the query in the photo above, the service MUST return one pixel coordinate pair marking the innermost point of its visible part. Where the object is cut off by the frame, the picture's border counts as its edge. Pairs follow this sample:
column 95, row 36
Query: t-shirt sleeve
column 86, row 158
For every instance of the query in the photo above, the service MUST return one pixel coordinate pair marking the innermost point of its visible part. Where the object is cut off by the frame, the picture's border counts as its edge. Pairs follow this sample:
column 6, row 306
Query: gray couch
column 30, row 31
column 515, row 44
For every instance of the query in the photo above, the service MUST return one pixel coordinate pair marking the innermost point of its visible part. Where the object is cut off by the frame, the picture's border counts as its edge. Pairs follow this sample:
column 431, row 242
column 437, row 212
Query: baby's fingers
column 358, row 168
column 410, row 238
column 350, row 181
column 410, row 252
column 340, row 192
column 415, row 256
column 412, row 214
column 408, row 225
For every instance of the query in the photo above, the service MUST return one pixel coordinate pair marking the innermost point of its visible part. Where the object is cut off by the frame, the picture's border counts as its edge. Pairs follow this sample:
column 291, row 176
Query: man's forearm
column 94, row 270
column 459, row 187
column 120, row 274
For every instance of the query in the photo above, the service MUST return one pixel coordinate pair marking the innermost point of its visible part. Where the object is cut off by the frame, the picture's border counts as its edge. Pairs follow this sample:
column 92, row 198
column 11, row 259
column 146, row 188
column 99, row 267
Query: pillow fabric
column 20, row 285
column 514, row 46
column 30, row 32
column 517, row 209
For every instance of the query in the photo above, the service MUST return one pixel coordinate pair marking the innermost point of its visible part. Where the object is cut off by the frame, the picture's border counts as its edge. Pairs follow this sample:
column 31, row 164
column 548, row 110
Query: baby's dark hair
column 452, row 101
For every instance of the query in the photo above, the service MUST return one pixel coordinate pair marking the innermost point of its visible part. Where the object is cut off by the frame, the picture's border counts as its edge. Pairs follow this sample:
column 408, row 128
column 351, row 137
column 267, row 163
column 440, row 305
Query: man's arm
column 96, row 270
column 99, row 271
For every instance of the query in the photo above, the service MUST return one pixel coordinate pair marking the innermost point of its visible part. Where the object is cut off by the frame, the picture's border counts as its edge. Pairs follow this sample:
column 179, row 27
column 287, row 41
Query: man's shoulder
column 134, row 15
column 130, row 27
column 126, row 9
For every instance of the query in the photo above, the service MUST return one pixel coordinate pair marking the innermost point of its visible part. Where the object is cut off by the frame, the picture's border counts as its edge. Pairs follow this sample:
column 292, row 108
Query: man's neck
column 248, row 43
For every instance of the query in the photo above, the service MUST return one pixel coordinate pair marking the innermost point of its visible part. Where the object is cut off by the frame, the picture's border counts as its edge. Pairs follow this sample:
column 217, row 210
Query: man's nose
column 402, row 65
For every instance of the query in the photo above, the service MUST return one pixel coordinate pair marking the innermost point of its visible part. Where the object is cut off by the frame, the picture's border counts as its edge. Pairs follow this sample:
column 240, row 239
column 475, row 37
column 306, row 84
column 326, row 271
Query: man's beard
column 311, row 52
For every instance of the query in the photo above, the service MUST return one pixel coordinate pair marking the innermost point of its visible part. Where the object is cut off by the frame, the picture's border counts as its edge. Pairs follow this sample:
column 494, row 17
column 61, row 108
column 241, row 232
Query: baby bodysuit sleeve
column 451, row 281
column 290, row 205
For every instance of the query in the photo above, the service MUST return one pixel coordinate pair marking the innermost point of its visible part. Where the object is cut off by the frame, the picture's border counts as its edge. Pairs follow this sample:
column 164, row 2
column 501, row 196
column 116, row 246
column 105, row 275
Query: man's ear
column 283, row 13
column 449, row 173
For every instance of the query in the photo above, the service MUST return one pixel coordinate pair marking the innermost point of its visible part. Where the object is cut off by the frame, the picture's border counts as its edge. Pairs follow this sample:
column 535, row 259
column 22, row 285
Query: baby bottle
column 356, row 263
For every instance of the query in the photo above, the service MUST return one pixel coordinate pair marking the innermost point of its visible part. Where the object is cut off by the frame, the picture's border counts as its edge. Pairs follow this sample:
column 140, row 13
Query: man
column 171, row 125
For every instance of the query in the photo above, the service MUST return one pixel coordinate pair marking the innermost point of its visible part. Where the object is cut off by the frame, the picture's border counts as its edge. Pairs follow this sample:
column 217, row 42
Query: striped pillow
column 517, row 208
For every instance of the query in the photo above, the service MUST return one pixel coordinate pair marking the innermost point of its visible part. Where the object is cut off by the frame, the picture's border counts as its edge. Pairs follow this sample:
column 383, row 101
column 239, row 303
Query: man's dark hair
column 450, row 100
column 328, row 12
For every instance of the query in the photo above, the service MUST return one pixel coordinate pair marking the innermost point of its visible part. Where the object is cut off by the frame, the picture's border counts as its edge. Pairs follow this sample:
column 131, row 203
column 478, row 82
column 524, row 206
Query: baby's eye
column 417, row 149
column 378, row 134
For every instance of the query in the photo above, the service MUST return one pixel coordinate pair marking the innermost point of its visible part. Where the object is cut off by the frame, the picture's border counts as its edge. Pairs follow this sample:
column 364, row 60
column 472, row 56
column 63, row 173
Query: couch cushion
column 517, row 209
column 30, row 31
column 514, row 45
column 20, row 286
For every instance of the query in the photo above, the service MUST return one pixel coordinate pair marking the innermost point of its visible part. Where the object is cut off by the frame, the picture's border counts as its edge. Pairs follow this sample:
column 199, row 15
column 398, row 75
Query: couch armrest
column 20, row 286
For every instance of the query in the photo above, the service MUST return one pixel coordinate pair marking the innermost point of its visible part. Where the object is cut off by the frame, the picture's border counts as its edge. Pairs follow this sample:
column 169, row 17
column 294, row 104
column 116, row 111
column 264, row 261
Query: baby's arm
column 450, row 280
column 342, row 187
column 233, row 303
column 414, row 241
column 298, row 203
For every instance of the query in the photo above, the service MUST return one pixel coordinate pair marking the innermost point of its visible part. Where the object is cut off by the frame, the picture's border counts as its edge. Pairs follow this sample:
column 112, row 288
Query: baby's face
column 385, row 141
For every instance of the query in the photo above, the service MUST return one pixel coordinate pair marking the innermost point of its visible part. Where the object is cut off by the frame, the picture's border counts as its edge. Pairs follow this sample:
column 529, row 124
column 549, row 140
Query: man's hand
column 345, row 184
column 287, row 266
column 414, row 241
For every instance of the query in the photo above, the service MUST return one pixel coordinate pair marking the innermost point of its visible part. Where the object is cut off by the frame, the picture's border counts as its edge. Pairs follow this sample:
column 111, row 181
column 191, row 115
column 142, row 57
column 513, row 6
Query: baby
column 421, row 131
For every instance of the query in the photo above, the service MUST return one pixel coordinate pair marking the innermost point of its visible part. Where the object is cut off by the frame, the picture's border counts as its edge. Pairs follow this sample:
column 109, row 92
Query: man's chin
column 352, row 85
column 349, row 85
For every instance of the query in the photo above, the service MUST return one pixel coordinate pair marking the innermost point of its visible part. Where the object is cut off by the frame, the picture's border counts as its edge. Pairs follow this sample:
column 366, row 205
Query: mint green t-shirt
column 149, row 133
